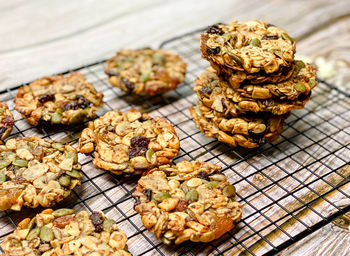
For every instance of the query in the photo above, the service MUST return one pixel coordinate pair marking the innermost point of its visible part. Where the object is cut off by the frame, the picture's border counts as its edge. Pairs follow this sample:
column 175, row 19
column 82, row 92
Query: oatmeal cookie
column 248, row 131
column 129, row 143
column 251, row 46
column 58, row 99
column 146, row 71
column 35, row 171
column 63, row 232
column 187, row 201
column 221, row 97
column 6, row 121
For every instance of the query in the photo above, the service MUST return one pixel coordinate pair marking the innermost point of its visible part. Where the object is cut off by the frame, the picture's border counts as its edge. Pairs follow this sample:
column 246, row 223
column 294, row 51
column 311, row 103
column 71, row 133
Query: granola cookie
column 6, row 121
column 146, row 71
column 251, row 46
column 35, row 171
column 58, row 99
column 221, row 97
column 63, row 232
column 129, row 143
column 248, row 131
column 187, row 201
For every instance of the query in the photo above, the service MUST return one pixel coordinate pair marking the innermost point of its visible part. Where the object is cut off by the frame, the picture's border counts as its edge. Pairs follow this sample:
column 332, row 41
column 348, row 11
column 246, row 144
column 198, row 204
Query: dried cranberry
column 215, row 30
column 129, row 85
column 46, row 97
column 70, row 106
column 181, row 206
column 203, row 175
column 82, row 101
column 8, row 121
column 97, row 221
column 269, row 37
column 205, row 90
column 224, row 106
column 148, row 193
column 215, row 50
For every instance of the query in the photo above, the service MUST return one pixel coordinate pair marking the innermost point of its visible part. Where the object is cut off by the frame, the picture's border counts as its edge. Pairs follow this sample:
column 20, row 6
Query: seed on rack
column 66, row 193
column 64, row 181
column 58, row 146
column 33, row 233
column 285, row 36
column 72, row 154
column 158, row 58
column 4, row 163
column 20, row 163
column 31, row 223
column 160, row 196
column 62, row 212
column 300, row 87
column 2, row 177
column 46, row 234
column 255, row 42
column 56, row 118
column 213, row 183
column 192, row 195
column 75, row 174
column 229, row 191
column 149, row 154
column 108, row 225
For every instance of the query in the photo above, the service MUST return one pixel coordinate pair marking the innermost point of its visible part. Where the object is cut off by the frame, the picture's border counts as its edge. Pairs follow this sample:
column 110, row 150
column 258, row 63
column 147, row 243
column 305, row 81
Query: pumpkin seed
column 31, row 223
column 198, row 111
column 77, row 117
column 285, row 36
column 108, row 225
column 75, row 174
column 2, row 177
column 33, row 233
column 72, row 154
column 144, row 77
column 149, row 155
column 110, row 128
column 4, row 163
column 46, row 234
column 192, row 195
column 165, row 240
column 66, row 193
column 312, row 83
column 62, row 212
column 227, row 36
column 213, row 183
column 59, row 111
column 20, row 163
column 229, row 191
column 255, row 42
column 56, row 118
column 64, row 180
column 57, row 146
column 300, row 87
column 159, row 197
column 158, row 58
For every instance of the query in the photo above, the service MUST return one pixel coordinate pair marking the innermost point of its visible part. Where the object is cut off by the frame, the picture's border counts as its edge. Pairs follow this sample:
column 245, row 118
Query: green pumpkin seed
column 227, row 36
column 64, row 181
column 198, row 111
column 56, row 118
column 300, row 87
column 33, row 233
column 62, row 212
column 312, row 83
column 144, row 77
column 72, row 154
column 4, row 163
column 59, row 111
column 285, row 36
column 149, row 154
column 20, row 163
column 66, row 193
column 229, row 191
column 2, row 177
column 46, row 234
column 159, row 197
column 31, row 223
column 255, row 42
column 158, row 58
column 77, row 117
column 192, row 195
column 75, row 174
column 213, row 183
column 108, row 225
column 57, row 146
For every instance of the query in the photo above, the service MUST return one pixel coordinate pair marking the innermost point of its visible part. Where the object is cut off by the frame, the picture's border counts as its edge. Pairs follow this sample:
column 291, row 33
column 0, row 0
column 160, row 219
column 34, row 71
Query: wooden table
column 41, row 37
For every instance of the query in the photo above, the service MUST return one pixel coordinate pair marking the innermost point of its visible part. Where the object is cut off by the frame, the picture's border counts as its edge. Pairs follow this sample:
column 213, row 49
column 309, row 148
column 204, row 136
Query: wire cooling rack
column 288, row 189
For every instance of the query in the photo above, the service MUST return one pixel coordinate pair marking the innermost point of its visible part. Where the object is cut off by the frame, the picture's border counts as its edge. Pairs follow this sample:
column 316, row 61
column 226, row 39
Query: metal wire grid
column 289, row 188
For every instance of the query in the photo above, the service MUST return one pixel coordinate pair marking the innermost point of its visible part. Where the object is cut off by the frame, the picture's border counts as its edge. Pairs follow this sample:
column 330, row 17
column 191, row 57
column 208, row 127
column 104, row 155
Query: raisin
column 46, row 97
column 269, row 37
column 215, row 50
column 133, row 152
column 203, row 175
column 148, row 193
column 205, row 90
column 215, row 30
column 224, row 106
column 19, row 180
column 139, row 141
column 97, row 221
column 258, row 137
column 181, row 206
column 70, row 106
column 129, row 85
column 8, row 121
column 82, row 101
column 63, row 221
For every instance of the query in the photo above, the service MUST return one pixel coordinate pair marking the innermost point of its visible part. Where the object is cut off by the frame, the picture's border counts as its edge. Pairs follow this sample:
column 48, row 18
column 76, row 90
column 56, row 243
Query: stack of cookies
column 252, row 85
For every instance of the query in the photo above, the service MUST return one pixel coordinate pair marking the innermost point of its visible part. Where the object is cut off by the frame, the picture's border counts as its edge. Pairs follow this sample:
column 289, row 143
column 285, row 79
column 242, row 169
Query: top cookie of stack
column 252, row 85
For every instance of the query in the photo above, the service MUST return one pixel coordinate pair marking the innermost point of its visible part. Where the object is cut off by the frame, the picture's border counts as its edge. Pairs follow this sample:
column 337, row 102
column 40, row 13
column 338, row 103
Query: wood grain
column 38, row 38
